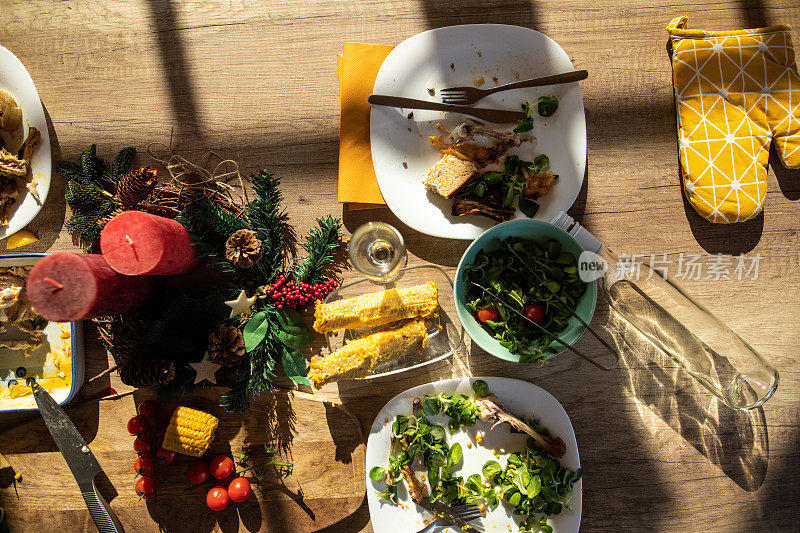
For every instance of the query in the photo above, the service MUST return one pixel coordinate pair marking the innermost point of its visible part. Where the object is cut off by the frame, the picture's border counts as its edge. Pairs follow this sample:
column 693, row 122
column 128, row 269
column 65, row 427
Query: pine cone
column 147, row 372
column 226, row 347
column 243, row 248
column 127, row 338
column 101, row 222
column 136, row 186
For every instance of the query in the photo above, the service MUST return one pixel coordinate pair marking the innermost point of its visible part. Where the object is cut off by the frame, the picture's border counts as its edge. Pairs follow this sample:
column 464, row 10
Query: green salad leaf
column 507, row 185
column 502, row 272
column 526, row 124
column 532, row 482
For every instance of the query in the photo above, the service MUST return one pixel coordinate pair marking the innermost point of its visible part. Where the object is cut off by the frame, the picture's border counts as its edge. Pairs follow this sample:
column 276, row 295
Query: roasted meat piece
column 538, row 184
column 476, row 142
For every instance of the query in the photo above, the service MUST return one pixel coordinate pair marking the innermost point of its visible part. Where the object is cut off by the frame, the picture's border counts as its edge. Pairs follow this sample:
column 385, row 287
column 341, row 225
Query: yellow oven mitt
column 735, row 92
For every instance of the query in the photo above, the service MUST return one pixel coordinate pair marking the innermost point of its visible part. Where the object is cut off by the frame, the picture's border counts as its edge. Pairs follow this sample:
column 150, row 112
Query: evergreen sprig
column 321, row 244
column 269, row 220
column 91, row 185
column 279, row 335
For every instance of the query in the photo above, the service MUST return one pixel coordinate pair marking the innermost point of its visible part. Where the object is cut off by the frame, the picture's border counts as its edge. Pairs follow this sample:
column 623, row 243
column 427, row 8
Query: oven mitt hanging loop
column 735, row 92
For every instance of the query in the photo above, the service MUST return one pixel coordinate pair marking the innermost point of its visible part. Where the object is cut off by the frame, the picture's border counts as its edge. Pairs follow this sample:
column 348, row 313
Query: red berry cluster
column 286, row 293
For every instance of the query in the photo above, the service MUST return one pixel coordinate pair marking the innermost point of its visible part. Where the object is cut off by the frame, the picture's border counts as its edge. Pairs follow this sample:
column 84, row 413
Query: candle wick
column 130, row 242
column 53, row 282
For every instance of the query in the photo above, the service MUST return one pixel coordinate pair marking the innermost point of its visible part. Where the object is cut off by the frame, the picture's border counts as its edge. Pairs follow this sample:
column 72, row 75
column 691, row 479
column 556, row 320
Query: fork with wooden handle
column 495, row 116
column 470, row 95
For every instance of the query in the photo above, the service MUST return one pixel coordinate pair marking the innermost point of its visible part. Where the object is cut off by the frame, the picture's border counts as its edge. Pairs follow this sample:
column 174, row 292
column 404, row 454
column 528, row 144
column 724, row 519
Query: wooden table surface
column 256, row 81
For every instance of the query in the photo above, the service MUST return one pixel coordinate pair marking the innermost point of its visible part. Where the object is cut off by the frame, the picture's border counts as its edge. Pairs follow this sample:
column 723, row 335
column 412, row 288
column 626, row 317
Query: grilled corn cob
column 377, row 308
column 359, row 358
column 190, row 431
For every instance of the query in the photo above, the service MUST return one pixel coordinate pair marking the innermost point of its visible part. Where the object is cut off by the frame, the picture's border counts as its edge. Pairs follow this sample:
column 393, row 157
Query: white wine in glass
column 378, row 251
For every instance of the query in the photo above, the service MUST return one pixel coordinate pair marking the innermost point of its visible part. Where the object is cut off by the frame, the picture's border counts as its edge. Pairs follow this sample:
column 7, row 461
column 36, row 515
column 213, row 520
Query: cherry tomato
column 136, row 425
column 217, row 498
column 152, row 434
column 488, row 313
column 142, row 448
column 239, row 489
column 220, row 466
column 167, row 455
column 534, row 313
column 148, row 408
column 146, row 486
column 144, row 466
column 197, row 472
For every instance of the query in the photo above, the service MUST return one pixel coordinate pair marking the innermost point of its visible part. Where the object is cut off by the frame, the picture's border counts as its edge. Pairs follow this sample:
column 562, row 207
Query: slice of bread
column 448, row 175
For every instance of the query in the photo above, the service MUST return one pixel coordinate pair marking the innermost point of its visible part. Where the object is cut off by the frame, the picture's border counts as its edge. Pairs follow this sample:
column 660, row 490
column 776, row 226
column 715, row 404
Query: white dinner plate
column 401, row 152
column 520, row 398
column 15, row 80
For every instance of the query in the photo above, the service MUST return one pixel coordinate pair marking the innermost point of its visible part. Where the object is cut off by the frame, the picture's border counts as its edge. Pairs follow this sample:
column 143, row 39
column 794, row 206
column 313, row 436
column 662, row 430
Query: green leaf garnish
column 547, row 105
column 526, row 124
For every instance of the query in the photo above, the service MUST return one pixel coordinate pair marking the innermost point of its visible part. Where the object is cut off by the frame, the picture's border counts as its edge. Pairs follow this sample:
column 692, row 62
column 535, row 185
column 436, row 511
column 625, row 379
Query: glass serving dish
column 445, row 334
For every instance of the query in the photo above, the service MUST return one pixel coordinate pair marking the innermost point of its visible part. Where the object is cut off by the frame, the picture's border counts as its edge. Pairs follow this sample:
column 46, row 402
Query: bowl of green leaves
column 517, row 268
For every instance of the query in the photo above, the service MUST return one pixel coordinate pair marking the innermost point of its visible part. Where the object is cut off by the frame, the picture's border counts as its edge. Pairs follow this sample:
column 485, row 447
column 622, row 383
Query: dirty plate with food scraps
column 457, row 56
column 520, row 398
column 62, row 342
column 15, row 80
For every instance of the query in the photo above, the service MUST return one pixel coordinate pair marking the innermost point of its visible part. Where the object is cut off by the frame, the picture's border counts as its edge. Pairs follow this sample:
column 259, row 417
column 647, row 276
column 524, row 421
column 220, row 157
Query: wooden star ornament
column 241, row 305
column 206, row 370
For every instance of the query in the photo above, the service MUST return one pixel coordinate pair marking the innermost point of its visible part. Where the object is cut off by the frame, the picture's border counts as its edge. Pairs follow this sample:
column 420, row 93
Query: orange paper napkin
column 358, row 65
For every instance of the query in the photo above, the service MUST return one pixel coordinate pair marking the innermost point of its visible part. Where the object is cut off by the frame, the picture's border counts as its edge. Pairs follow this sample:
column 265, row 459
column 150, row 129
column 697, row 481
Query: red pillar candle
column 68, row 287
column 136, row 243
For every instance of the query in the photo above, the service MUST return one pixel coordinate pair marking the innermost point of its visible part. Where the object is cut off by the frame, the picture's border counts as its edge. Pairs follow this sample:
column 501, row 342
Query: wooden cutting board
column 322, row 440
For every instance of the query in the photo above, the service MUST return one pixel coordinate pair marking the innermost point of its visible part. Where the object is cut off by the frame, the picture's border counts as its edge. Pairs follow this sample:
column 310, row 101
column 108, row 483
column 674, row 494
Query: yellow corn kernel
column 479, row 438
column 190, row 431
column 377, row 308
column 360, row 357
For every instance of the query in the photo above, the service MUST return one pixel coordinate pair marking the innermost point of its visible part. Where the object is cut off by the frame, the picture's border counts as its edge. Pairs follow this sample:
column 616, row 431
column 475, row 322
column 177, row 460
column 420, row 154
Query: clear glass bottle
column 676, row 324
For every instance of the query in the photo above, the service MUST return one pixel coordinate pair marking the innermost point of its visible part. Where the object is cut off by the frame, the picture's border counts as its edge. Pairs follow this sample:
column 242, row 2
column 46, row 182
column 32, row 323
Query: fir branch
column 83, row 227
column 269, row 220
column 92, row 166
column 121, row 165
column 237, row 398
column 262, row 365
column 209, row 227
column 68, row 169
column 322, row 243
column 85, row 196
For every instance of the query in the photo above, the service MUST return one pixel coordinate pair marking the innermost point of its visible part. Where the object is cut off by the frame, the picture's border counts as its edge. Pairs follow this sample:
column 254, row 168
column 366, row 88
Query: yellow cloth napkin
column 358, row 65
column 736, row 91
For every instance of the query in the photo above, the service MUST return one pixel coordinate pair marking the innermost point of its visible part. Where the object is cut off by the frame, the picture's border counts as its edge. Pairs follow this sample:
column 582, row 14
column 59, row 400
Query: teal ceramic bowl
column 539, row 232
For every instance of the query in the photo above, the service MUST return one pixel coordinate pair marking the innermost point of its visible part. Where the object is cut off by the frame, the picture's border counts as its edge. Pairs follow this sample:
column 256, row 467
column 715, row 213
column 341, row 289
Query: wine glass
column 378, row 251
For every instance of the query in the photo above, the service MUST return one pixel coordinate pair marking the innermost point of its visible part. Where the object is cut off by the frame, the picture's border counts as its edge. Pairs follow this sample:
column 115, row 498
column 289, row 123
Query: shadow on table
column 788, row 178
column 449, row 12
column 728, row 239
column 735, row 441
column 442, row 252
column 176, row 68
column 50, row 220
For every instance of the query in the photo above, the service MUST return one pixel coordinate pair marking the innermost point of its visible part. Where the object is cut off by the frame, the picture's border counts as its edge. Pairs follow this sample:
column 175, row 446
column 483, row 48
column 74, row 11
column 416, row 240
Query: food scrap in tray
column 15, row 168
column 25, row 353
column 388, row 325
column 533, row 482
column 478, row 173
